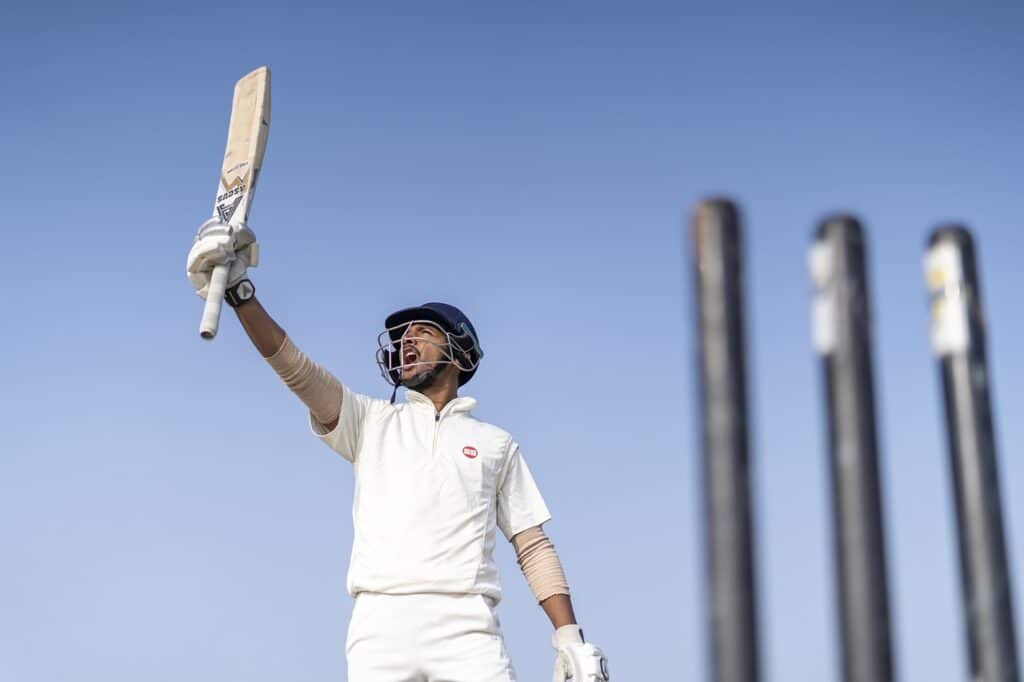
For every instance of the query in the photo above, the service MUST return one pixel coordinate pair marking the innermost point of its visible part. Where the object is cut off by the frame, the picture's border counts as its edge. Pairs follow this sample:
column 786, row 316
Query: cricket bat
column 243, row 158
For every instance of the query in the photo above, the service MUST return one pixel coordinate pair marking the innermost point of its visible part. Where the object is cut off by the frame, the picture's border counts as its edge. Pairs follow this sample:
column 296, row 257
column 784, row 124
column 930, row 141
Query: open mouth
column 410, row 357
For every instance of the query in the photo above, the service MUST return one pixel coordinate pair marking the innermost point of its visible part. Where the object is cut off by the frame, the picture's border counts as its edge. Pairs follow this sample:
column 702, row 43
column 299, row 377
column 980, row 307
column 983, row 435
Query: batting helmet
column 465, row 344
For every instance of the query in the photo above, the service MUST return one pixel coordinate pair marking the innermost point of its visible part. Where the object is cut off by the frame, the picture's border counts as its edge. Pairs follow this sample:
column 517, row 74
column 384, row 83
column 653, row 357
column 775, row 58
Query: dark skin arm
column 559, row 610
column 558, row 607
column 264, row 332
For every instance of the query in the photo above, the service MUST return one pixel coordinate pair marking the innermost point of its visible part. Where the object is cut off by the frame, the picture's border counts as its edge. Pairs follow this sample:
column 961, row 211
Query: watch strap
column 240, row 293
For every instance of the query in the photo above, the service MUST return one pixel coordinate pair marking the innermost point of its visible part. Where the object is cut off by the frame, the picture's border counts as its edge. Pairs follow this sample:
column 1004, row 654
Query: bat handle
column 214, row 297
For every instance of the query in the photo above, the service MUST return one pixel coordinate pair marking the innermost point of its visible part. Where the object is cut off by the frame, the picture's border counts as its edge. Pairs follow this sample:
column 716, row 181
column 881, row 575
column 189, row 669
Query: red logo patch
column 470, row 451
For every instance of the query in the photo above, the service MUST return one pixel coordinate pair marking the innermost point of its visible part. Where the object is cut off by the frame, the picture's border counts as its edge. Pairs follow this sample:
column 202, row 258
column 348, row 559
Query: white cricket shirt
column 430, row 489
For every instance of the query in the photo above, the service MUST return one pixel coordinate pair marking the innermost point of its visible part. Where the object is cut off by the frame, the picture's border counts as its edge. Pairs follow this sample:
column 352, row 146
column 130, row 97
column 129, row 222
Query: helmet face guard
column 461, row 347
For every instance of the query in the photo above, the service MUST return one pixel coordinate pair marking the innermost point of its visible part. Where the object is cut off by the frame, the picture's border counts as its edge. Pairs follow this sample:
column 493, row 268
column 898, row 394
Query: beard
column 423, row 380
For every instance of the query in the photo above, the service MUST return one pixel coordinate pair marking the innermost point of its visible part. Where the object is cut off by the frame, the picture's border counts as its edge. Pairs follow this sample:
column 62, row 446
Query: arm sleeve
column 540, row 563
column 520, row 504
column 344, row 438
column 315, row 386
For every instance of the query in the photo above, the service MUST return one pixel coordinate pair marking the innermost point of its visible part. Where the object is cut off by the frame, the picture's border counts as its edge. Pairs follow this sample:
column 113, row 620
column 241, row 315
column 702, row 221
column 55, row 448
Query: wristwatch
column 240, row 293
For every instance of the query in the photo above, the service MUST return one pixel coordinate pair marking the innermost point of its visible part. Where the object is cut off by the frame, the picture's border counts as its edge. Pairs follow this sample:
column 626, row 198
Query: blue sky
column 164, row 514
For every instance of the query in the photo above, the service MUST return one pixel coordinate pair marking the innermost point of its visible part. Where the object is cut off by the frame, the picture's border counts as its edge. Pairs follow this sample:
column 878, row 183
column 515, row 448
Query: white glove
column 577, row 660
column 217, row 243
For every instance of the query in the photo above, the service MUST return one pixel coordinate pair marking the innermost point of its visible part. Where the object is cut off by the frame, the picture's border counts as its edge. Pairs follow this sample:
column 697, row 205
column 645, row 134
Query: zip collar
column 460, row 404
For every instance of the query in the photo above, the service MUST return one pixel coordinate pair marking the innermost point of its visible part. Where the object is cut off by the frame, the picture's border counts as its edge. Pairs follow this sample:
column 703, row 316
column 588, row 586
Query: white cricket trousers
column 426, row 638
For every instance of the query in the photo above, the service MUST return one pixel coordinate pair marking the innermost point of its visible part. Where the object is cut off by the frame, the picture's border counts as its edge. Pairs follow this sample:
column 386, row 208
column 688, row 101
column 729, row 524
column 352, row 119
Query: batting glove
column 217, row 243
column 577, row 660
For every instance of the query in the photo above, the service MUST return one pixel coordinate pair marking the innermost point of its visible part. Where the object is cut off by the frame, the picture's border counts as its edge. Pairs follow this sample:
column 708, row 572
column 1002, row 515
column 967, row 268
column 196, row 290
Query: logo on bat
column 236, row 186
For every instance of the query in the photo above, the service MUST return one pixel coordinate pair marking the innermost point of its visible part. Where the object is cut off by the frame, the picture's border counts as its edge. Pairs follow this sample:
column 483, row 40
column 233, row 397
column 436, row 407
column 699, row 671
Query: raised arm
column 263, row 331
column 316, row 387
column 220, row 244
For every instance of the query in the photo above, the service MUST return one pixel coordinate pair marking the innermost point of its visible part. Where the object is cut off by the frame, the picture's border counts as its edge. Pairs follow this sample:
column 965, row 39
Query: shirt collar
column 459, row 404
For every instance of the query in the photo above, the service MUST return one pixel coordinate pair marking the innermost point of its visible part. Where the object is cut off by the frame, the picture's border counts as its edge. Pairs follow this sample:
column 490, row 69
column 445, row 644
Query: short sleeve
column 520, row 505
column 344, row 438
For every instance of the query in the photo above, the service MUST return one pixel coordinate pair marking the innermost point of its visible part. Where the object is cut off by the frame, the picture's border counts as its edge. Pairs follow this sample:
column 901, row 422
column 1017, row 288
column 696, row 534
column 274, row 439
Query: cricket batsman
column 432, row 485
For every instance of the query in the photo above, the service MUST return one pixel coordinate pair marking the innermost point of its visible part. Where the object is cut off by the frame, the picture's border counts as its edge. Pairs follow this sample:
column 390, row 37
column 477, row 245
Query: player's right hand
column 217, row 243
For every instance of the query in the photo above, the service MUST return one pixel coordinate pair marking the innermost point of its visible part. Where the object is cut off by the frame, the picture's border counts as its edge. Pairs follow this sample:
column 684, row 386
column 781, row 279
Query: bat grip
column 214, row 298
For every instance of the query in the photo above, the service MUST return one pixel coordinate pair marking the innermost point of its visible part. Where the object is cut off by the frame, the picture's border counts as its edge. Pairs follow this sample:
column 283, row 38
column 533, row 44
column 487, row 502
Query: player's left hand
column 217, row 243
column 577, row 660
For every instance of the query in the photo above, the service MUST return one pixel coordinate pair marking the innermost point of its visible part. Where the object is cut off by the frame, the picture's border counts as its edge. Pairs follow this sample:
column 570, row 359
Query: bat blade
column 243, row 158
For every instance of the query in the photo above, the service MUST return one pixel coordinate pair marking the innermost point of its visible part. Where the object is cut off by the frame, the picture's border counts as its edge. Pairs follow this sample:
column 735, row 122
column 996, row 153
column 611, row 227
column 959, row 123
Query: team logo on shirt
column 470, row 451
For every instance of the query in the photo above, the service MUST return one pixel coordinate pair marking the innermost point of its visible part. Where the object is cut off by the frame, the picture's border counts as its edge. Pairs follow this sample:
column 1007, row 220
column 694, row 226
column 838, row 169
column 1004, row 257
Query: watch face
column 245, row 290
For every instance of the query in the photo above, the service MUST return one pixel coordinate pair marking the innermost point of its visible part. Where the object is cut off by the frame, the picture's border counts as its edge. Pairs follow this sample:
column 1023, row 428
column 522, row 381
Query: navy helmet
column 466, row 350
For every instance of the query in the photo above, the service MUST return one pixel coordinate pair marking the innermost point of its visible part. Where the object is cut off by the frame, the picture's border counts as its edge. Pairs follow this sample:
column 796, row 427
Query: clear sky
column 164, row 513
